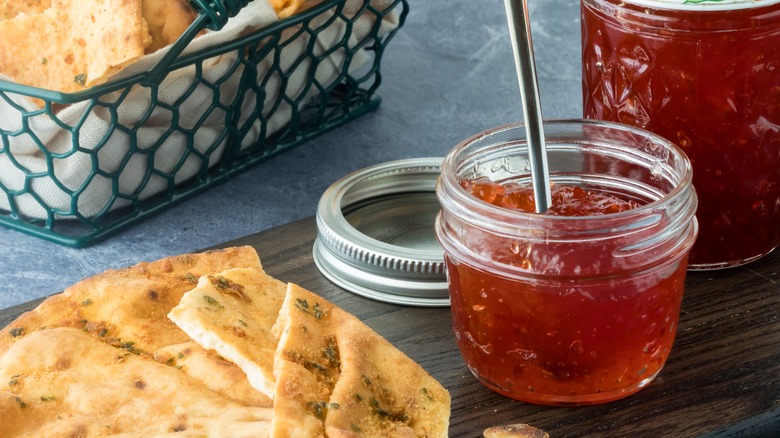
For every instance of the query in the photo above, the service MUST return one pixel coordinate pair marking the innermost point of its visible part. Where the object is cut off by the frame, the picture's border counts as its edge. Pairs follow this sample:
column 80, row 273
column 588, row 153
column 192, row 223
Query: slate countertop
column 447, row 74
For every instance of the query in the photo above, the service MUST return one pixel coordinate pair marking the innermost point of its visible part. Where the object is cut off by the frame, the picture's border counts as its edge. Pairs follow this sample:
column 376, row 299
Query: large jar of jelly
column 580, row 306
column 705, row 74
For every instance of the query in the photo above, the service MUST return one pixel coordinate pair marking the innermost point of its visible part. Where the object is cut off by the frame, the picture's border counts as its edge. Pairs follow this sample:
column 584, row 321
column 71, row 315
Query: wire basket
column 78, row 167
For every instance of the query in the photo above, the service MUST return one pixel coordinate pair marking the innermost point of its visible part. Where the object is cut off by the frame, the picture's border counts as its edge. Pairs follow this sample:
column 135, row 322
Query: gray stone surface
column 448, row 74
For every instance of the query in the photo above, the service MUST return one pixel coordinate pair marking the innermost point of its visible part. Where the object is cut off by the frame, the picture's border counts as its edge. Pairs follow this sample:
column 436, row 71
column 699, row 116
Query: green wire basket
column 81, row 166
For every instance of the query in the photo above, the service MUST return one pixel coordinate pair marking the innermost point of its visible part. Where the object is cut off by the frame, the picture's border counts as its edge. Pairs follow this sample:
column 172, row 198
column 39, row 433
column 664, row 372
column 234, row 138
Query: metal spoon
column 520, row 31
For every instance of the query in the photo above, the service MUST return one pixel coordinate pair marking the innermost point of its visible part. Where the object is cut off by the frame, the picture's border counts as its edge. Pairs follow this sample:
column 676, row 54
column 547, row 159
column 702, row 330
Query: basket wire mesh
column 260, row 66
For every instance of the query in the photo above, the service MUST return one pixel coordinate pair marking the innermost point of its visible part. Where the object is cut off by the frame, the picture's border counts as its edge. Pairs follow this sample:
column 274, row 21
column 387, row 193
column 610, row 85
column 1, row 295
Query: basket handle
column 213, row 14
column 219, row 11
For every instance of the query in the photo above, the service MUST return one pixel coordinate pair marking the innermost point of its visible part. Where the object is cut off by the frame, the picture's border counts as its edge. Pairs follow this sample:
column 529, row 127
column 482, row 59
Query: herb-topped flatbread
column 72, row 45
column 68, row 46
column 129, row 306
column 12, row 8
column 337, row 376
column 199, row 345
column 215, row 372
column 288, row 8
column 127, row 309
column 232, row 313
column 167, row 20
column 64, row 382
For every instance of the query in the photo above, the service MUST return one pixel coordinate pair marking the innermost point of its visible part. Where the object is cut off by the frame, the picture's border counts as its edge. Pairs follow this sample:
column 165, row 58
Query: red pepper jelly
column 566, row 200
column 704, row 74
column 578, row 305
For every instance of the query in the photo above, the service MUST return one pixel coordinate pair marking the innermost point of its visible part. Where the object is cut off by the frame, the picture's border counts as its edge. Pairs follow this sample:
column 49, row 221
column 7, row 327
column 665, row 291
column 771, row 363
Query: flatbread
column 167, row 20
column 43, row 50
column 129, row 306
column 514, row 431
column 12, row 8
column 288, row 8
column 106, row 357
column 233, row 313
column 337, row 375
column 64, row 382
column 215, row 372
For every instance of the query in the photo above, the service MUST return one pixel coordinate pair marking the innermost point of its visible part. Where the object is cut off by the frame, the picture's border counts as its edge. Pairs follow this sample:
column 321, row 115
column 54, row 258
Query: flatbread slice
column 216, row 373
column 167, row 20
column 233, row 313
column 12, row 8
column 307, row 364
column 336, row 375
column 288, row 8
column 129, row 306
column 515, row 431
column 42, row 50
column 64, row 382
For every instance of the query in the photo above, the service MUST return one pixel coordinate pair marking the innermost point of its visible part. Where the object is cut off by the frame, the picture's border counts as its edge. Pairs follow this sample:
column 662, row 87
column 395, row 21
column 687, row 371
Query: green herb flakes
column 80, row 79
column 302, row 304
column 213, row 302
column 189, row 278
column 319, row 409
column 318, row 312
column 312, row 365
column 130, row 346
column 16, row 332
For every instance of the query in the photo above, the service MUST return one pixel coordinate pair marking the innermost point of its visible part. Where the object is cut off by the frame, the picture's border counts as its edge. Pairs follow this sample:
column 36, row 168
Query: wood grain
column 722, row 378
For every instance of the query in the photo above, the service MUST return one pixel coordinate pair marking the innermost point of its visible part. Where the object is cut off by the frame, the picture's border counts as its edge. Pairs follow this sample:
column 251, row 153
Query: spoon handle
column 522, row 45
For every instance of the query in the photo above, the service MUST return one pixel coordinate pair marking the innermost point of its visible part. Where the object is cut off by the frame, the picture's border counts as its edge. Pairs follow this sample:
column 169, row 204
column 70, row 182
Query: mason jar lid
column 375, row 233
column 703, row 5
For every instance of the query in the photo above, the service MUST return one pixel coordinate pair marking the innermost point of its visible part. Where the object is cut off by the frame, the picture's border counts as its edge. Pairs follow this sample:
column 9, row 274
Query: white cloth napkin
column 47, row 182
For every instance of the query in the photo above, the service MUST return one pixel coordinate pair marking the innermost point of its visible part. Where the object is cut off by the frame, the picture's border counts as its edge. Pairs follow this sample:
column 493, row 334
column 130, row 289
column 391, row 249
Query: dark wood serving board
column 722, row 378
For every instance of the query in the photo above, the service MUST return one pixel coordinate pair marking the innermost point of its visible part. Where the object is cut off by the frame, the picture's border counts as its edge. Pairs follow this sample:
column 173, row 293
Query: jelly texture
column 567, row 200
column 710, row 82
column 585, row 331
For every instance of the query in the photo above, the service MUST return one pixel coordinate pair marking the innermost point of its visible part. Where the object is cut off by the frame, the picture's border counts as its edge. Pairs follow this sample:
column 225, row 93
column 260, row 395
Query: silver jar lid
column 375, row 233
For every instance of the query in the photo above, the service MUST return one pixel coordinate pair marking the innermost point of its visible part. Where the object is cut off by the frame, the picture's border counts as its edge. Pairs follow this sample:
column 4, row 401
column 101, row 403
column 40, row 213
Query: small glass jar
column 704, row 74
column 567, row 310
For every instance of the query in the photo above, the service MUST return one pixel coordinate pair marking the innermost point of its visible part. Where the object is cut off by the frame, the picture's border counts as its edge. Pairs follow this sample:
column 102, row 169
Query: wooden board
column 722, row 379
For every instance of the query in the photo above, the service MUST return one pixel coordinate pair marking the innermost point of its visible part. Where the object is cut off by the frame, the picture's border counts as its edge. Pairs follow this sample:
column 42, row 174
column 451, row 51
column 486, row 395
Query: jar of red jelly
column 567, row 310
column 705, row 74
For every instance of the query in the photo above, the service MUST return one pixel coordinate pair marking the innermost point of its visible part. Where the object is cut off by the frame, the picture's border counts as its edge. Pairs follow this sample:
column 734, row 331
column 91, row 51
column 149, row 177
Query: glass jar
column 704, row 74
column 567, row 310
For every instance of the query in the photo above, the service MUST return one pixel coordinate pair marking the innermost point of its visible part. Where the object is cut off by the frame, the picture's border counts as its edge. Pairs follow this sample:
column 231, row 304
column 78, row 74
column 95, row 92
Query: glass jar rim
column 672, row 17
column 641, row 238
column 704, row 5
column 503, row 218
